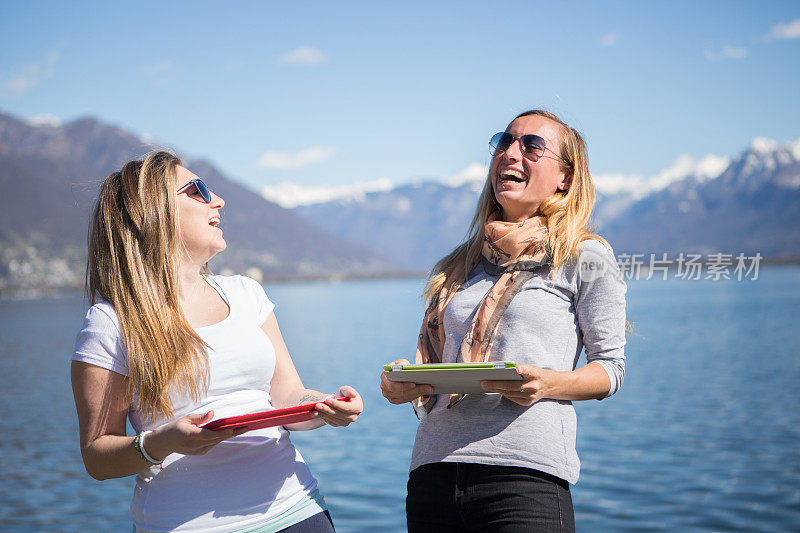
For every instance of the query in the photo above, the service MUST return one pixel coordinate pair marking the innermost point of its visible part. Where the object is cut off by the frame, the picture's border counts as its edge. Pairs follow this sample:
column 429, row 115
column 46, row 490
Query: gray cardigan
column 547, row 324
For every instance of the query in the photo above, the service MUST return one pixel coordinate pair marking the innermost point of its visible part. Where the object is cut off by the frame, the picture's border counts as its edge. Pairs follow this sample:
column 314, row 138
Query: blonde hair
column 133, row 246
column 566, row 212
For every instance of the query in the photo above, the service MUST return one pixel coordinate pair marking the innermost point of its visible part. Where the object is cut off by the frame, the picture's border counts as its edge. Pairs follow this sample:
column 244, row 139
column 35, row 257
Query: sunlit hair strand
column 133, row 245
column 567, row 215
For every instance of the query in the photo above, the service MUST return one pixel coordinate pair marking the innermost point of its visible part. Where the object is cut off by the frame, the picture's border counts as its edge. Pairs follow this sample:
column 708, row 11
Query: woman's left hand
column 338, row 413
column 532, row 388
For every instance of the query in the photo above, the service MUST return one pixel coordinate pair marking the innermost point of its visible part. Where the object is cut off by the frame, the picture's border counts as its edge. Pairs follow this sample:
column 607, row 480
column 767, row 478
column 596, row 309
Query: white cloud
column 708, row 167
column 786, row 30
column 156, row 69
column 711, row 166
column 762, row 145
column 304, row 55
column 474, row 173
column 290, row 195
column 288, row 161
column 44, row 120
column 634, row 186
column 609, row 39
column 726, row 52
column 733, row 52
column 30, row 75
column 162, row 73
column 618, row 183
column 795, row 149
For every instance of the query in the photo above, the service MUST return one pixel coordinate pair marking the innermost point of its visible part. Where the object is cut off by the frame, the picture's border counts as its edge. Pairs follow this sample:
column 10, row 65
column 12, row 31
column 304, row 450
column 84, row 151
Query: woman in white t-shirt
column 171, row 348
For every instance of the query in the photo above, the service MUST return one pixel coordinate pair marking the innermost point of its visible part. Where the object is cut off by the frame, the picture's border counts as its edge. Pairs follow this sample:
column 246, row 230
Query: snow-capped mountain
column 752, row 206
column 745, row 204
column 617, row 192
column 414, row 224
column 49, row 177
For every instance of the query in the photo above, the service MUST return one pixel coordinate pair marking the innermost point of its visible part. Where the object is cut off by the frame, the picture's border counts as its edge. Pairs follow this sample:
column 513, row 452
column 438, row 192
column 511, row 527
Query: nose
column 514, row 151
column 216, row 201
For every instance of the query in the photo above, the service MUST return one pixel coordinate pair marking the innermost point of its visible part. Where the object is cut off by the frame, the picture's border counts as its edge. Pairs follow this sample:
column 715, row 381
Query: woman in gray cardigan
column 533, row 285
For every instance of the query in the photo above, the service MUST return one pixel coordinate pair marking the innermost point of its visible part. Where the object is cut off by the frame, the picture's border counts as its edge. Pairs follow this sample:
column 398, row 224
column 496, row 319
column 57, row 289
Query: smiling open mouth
column 214, row 222
column 513, row 176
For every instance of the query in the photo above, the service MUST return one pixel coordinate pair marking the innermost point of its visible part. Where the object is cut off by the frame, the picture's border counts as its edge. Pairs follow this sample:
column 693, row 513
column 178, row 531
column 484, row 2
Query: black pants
column 467, row 497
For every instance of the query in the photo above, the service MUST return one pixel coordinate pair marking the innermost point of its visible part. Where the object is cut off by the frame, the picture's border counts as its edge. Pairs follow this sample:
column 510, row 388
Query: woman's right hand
column 185, row 436
column 400, row 392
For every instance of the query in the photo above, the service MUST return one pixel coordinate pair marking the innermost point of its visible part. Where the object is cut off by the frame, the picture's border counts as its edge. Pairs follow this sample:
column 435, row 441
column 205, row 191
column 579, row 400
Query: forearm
column 300, row 397
column 589, row 382
column 112, row 456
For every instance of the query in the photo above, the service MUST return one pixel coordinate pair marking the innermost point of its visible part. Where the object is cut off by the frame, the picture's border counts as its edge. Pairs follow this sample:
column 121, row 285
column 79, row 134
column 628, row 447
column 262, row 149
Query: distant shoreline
column 24, row 293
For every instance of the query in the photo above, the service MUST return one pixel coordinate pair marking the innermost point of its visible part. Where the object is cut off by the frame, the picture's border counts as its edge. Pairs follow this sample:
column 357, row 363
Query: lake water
column 703, row 436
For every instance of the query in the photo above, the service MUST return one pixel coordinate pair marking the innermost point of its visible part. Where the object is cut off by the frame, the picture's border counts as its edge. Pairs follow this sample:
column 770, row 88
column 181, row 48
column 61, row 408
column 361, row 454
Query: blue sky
column 333, row 93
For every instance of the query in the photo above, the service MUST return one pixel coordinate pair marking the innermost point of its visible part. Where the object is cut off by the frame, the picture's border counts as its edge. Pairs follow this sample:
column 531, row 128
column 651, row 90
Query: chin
column 508, row 198
column 220, row 247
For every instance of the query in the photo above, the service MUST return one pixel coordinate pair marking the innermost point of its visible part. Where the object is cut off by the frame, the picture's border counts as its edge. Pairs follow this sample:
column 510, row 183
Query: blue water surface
column 703, row 435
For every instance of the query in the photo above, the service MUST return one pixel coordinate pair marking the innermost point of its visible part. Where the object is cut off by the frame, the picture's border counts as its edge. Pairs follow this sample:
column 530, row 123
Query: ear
column 565, row 182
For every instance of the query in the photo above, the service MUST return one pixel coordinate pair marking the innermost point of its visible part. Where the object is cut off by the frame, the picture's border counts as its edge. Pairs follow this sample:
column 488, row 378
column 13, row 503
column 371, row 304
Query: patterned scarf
column 512, row 251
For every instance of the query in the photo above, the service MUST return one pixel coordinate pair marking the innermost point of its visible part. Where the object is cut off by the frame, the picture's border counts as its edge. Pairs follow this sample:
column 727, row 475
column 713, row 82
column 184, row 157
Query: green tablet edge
column 449, row 366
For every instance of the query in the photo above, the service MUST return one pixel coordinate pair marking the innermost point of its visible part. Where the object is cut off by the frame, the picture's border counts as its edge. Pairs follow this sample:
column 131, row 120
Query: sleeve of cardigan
column 600, row 308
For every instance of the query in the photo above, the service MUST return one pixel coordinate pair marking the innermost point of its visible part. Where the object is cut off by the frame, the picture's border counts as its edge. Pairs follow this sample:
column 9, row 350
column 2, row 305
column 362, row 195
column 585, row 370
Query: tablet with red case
column 266, row 419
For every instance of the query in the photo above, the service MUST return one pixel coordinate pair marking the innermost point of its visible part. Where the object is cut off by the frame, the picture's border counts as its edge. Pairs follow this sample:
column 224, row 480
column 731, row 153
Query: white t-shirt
column 242, row 482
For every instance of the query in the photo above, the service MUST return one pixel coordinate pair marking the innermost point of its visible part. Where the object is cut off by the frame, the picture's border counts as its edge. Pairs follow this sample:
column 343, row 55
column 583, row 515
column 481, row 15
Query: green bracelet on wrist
column 137, row 445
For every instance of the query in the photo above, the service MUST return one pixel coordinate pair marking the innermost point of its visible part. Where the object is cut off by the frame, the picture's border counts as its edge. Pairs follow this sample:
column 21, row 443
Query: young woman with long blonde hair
column 171, row 347
column 531, row 284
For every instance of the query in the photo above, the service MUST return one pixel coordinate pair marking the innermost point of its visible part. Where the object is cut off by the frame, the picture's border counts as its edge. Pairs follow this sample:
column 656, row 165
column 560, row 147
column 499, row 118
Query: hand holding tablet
column 454, row 378
column 265, row 419
column 335, row 413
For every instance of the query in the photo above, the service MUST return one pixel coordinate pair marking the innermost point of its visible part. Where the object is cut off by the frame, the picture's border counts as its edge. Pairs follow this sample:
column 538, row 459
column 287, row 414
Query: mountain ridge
column 747, row 203
column 53, row 173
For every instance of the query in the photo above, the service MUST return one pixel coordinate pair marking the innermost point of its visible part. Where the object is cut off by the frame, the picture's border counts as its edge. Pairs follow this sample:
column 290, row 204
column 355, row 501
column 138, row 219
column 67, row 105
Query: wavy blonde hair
column 133, row 245
column 566, row 212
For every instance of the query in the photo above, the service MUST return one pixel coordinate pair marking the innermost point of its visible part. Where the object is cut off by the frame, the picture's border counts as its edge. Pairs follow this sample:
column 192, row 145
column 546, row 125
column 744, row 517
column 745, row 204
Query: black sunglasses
column 202, row 190
column 532, row 146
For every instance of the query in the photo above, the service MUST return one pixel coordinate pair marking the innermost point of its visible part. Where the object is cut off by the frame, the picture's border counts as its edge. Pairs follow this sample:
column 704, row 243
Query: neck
column 190, row 282
column 508, row 215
